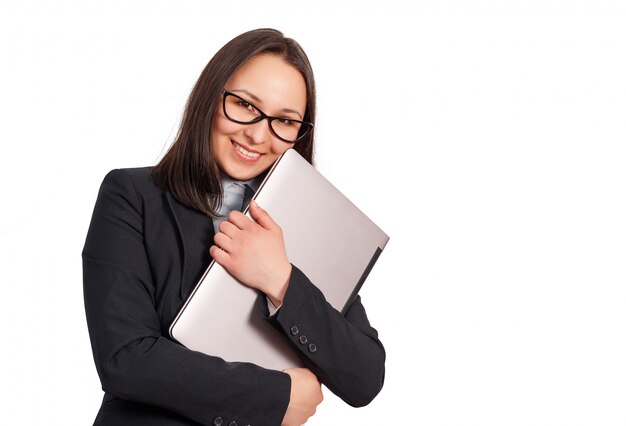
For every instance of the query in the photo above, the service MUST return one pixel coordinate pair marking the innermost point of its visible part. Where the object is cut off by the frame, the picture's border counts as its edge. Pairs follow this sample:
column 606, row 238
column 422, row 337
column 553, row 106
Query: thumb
column 261, row 216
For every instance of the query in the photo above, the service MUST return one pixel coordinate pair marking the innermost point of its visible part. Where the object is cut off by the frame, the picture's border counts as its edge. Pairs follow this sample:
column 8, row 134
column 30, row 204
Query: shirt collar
column 253, row 183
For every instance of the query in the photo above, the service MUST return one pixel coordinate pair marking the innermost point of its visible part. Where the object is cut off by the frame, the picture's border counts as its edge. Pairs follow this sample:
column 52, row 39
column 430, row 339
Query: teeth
column 246, row 152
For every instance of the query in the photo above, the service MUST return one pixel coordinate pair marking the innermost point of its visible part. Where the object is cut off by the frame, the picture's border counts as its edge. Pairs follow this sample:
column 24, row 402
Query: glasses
column 241, row 111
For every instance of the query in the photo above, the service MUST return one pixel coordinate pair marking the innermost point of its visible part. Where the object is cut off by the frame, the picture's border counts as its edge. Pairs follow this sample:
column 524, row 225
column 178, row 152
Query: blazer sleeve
column 344, row 352
column 133, row 359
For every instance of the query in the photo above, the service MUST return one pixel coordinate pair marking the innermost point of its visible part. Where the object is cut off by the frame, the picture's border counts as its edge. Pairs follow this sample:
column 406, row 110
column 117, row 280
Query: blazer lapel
column 196, row 236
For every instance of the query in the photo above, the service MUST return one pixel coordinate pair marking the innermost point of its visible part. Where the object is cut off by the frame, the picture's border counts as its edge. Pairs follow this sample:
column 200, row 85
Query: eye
column 286, row 122
column 245, row 105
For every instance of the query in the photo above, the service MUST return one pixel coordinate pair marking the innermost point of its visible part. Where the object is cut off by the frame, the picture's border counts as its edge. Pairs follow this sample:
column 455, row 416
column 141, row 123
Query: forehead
column 276, row 83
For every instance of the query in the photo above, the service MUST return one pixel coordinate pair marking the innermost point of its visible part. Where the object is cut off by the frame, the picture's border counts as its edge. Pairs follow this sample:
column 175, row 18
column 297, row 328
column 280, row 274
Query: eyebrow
column 256, row 99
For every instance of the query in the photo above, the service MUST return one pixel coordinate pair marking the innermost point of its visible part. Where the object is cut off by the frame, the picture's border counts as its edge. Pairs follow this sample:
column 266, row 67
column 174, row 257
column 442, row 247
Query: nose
column 258, row 133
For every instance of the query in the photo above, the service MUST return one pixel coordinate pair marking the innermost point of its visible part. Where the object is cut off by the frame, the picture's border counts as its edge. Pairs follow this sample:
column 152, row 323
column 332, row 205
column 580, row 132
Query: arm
column 134, row 360
column 344, row 352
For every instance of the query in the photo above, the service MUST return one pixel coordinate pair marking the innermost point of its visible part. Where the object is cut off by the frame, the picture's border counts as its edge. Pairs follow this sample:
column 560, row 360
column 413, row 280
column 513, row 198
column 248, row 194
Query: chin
column 238, row 174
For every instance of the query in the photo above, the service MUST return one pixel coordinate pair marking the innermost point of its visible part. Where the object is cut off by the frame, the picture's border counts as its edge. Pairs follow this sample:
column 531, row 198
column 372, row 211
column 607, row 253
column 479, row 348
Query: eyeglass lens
column 239, row 110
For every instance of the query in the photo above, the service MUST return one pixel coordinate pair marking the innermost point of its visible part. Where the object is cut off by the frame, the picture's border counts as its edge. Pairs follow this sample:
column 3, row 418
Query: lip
column 243, row 157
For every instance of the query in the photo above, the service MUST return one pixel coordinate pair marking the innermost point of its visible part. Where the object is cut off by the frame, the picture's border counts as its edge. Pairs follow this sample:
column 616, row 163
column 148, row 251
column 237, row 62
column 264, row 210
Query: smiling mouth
column 248, row 154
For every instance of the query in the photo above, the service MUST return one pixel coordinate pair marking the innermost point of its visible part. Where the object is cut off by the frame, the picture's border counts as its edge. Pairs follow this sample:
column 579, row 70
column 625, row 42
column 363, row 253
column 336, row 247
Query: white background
column 486, row 137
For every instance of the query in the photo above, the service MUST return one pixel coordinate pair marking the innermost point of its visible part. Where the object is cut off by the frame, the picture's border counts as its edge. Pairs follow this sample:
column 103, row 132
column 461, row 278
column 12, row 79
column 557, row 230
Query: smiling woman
column 264, row 69
column 242, row 150
column 155, row 230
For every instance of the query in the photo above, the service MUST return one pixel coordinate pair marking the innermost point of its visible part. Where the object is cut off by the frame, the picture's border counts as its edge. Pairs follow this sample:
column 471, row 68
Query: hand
column 254, row 252
column 306, row 395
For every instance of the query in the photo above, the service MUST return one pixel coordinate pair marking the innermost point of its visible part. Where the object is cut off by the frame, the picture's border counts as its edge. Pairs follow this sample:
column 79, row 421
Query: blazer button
column 294, row 330
column 233, row 423
column 303, row 339
column 218, row 421
column 312, row 347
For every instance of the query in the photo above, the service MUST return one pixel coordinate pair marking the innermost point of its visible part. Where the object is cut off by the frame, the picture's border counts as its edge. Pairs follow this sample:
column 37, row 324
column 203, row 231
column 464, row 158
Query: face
column 244, row 151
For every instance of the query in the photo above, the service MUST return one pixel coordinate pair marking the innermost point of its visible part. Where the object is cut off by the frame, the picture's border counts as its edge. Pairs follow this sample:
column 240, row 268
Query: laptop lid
column 326, row 236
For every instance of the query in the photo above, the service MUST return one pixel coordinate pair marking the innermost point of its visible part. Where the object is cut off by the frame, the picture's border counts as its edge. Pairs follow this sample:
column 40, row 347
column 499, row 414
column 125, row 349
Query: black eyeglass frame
column 307, row 128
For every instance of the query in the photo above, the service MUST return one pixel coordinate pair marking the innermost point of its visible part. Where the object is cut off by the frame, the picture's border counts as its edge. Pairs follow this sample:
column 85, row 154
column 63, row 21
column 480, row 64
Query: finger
column 223, row 241
column 228, row 228
column 220, row 256
column 239, row 219
column 261, row 216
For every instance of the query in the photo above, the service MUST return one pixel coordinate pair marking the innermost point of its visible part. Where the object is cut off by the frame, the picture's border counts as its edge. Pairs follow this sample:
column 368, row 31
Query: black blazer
column 143, row 255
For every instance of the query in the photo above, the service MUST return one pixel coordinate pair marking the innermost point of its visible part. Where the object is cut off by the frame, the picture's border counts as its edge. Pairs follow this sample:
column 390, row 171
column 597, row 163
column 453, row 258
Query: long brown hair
column 188, row 170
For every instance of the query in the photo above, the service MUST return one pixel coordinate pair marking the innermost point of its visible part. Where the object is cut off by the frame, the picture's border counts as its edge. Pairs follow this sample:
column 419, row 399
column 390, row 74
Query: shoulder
column 135, row 179
column 130, row 186
column 135, row 174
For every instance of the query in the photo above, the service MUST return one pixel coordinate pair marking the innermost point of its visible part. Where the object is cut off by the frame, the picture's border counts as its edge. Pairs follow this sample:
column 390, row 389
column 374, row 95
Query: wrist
column 278, row 290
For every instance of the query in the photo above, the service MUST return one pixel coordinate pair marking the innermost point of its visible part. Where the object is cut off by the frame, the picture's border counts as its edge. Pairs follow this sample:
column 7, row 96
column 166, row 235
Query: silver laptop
column 326, row 237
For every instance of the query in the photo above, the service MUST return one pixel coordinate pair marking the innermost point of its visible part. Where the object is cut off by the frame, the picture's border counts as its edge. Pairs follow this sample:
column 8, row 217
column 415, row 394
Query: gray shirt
column 234, row 191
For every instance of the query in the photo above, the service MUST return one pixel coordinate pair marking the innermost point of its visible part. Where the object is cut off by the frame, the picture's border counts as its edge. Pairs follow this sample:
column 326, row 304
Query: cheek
column 278, row 148
column 223, row 126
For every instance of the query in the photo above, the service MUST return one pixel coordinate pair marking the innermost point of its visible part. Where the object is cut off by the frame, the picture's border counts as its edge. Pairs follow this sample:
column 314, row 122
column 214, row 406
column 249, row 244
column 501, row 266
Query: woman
column 155, row 230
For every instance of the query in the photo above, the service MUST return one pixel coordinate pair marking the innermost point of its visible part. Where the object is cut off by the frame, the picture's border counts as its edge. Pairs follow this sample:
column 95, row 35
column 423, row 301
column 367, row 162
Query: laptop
column 326, row 236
